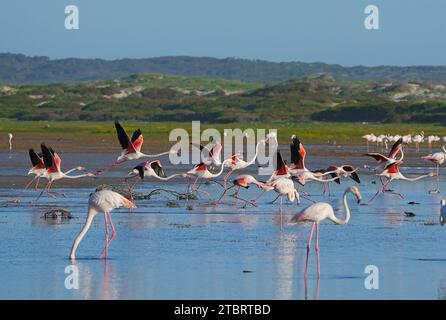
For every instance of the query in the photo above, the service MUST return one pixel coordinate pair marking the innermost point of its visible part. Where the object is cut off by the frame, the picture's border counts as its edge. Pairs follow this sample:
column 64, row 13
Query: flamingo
column 432, row 139
column 237, row 164
column 53, row 170
column 443, row 211
column 285, row 186
column 392, row 172
column 101, row 201
column 318, row 212
column 150, row 169
column 131, row 148
column 438, row 158
column 369, row 138
column 418, row 138
column 244, row 181
column 383, row 161
column 10, row 136
column 201, row 171
column 213, row 154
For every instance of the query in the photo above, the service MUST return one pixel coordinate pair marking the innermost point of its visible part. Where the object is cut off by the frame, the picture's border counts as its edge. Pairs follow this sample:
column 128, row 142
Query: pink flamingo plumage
column 102, row 201
column 318, row 212
column 392, row 172
column 438, row 158
column 131, row 147
column 53, row 170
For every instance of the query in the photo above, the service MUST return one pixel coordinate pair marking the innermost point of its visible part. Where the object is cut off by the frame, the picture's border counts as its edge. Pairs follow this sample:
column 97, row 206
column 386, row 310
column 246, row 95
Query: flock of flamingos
column 46, row 164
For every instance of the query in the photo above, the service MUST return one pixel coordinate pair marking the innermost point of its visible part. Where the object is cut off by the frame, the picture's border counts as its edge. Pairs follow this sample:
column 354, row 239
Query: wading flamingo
column 318, row 212
column 10, row 136
column 417, row 139
column 369, row 138
column 437, row 158
column 392, row 172
column 102, row 201
column 131, row 147
column 432, row 139
column 382, row 160
column 285, row 187
column 53, row 170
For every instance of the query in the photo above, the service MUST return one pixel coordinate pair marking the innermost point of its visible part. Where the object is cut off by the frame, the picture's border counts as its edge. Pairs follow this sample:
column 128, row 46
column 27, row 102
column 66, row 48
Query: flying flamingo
column 213, row 154
column 383, row 160
column 237, row 164
column 201, row 171
column 244, row 181
column 438, row 158
column 53, row 170
column 150, row 169
column 318, row 212
column 392, row 172
column 443, row 211
column 131, row 147
column 102, row 201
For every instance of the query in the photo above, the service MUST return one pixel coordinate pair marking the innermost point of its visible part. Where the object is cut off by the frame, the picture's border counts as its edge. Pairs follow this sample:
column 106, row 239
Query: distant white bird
column 10, row 136
column 443, row 211
column 432, row 139
column 369, row 138
column 418, row 138
column 407, row 139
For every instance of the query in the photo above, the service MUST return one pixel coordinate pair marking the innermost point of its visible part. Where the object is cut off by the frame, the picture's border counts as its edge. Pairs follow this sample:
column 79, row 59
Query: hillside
column 157, row 98
column 21, row 69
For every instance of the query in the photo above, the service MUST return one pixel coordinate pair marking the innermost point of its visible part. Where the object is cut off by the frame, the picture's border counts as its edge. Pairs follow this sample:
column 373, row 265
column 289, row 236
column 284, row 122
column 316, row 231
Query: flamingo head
column 356, row 193
column 80, row 168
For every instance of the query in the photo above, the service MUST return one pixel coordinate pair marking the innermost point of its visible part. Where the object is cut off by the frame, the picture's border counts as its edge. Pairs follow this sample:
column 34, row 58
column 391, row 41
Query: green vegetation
column 18, row 68
column 161, row 98
column 310, row 132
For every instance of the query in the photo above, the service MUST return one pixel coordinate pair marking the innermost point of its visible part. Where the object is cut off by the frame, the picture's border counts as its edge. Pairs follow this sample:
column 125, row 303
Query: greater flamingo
column 10, row 136
column 438, row 158
column 102, row 201
column 53, row 170
column 201, row 171
column 432, row 139
column 417, row 139
column 392, row 172
column 285, row 186
column 244, row 181
column 150, row 169
column 131, row 147
column 318, row 212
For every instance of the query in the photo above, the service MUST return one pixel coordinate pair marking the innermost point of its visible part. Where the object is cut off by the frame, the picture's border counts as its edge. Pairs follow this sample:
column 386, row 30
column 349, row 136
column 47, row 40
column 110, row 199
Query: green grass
column 309, row 132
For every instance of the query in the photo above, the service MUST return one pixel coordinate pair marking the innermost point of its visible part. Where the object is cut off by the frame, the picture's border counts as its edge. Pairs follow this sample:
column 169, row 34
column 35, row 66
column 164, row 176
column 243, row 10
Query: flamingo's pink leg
column 308, row 249
column 317, row 251
column 258, row 197
column 281, row 212
column 104, row 251
column 274, row 201
column 223, row 194
column 37, row 183
column 113, row 229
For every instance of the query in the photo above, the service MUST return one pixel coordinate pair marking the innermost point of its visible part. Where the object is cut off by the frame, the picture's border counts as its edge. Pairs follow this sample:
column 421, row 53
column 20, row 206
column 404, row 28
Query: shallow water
column 225, row 252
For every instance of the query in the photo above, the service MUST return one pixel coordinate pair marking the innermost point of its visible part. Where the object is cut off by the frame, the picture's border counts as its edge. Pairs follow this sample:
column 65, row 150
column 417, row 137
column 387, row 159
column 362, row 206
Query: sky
column 411, row 31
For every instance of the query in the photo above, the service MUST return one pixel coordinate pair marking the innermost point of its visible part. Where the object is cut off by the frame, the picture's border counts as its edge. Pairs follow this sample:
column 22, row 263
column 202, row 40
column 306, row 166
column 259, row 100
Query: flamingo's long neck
column 169, row 177
column 143, row 155
column 313, row 177
column 222, row 167
column 91, row 214
column 74, row 177
column 347, row 211
column 71, row 170
column 414, row 179
column 255, row 155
